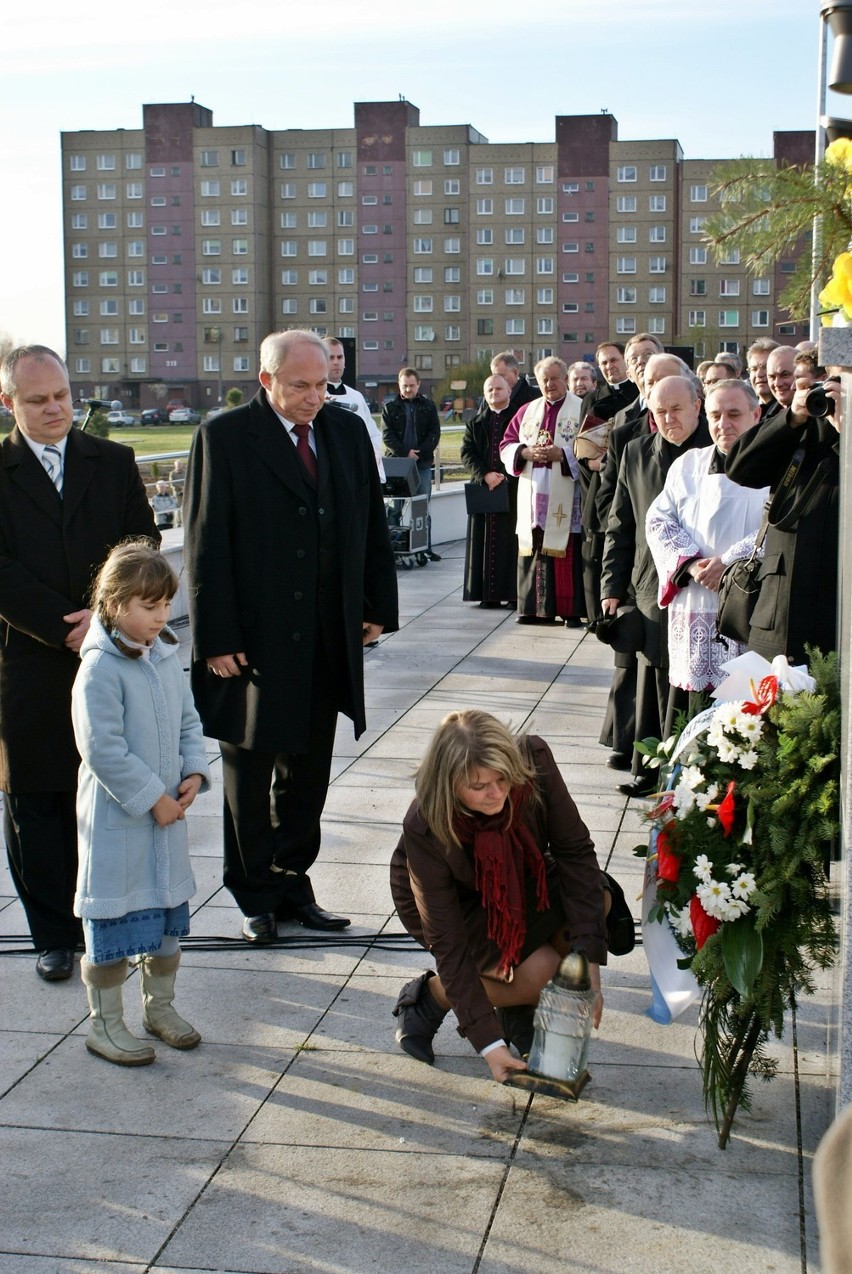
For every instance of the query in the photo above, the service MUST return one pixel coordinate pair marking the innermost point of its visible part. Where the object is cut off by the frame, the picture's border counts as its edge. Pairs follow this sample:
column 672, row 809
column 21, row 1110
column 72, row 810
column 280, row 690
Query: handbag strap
column 802, row 506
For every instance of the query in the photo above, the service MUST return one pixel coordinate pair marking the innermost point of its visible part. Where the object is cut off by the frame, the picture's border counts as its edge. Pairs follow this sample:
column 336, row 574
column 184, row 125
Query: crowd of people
column 633, row 484
column 629, row 485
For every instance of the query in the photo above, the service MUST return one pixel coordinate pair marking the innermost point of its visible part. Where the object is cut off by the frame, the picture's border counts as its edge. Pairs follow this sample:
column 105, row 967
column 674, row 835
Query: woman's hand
column 493, row 479
column 501, row 1063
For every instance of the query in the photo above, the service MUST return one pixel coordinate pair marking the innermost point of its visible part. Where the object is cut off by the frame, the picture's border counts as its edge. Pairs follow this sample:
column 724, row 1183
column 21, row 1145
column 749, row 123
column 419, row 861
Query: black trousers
column 273, row 805
column 41, row 845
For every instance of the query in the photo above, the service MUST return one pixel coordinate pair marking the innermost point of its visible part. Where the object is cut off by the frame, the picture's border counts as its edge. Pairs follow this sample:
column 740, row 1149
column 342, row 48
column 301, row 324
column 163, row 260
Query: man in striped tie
column 65, row 500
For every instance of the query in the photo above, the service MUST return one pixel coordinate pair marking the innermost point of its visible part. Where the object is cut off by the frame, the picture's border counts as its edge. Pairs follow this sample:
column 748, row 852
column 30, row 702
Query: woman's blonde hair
column 464, row 743
column 135, row 568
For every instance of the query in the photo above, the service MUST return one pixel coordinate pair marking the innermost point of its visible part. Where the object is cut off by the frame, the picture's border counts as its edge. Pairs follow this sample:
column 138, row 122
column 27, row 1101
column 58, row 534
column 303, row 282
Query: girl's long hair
column 464, row 743
column 134, row 568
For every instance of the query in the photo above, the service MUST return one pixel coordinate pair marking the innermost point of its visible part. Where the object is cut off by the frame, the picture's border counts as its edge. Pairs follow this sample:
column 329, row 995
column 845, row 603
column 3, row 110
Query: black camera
column 818, row 403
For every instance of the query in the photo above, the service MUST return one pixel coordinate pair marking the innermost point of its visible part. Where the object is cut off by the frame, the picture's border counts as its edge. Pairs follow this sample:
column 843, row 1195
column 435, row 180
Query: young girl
column 142, row 765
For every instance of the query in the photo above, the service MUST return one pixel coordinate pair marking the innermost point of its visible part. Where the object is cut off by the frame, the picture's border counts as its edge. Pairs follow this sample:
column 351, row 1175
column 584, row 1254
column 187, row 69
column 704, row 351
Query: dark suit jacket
column 255, row 552
column 426, row 424
column 50, row 549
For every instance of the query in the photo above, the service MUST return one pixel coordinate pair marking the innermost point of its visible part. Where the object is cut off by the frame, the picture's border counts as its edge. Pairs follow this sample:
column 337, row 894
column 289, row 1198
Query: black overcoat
column 798, row 574
column 50, row 550
column 253, row 561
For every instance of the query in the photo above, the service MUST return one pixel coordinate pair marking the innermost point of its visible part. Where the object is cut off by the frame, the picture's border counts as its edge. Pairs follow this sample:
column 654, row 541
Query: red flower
column 668, row 864
column 764, row 697
column 664, row 808
column 703, row 926
column 726, row 810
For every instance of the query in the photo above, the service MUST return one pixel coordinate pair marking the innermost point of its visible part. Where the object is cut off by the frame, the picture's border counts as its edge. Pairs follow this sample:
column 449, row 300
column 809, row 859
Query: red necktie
column 303, row 450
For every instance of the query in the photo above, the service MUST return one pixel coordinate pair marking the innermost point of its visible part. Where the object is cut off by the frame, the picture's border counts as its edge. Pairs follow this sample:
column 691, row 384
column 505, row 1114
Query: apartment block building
column 185, row 243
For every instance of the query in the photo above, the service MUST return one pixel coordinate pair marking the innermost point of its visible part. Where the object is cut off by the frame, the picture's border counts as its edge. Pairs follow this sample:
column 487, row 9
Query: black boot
column 419, row 1018
column 516, row 1023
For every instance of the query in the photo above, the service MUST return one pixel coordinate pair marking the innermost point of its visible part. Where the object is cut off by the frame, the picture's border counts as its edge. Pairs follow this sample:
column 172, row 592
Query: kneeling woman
column 496, row 875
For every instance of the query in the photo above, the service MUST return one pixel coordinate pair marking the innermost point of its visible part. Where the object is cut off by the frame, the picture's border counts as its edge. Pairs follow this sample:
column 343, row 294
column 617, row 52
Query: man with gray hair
column 291, row 574
column 65, row 499
column 521, row 391
column 582, row 379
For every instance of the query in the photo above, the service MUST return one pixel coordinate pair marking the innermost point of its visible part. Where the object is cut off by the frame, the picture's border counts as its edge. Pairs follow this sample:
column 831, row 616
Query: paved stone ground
column 299, row 1138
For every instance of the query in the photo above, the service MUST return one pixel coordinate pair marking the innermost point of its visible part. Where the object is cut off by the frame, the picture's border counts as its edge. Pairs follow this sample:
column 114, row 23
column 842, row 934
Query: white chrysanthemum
column 713, row 791
column 681, row 921
column 702, row 800
column 744, row 885
column 684, row 799
column 748, row 760
column 728, row 751
column 734, row 909
column 703, row 867
column 715, row 736
column 751, row 727
column 728, row 716
column 733, row 869
column 692, row 776
column 714, row 896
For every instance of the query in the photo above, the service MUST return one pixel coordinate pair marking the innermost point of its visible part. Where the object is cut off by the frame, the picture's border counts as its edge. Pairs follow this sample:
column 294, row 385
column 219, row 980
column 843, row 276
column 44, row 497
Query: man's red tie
column 303, row 450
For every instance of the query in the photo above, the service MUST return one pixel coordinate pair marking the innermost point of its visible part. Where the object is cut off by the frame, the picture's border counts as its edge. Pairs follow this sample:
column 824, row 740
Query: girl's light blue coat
column 138, row 735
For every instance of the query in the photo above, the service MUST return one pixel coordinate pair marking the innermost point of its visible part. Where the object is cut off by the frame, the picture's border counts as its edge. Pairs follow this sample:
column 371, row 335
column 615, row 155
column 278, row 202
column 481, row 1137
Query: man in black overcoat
column 65, row 499
column 291, row 573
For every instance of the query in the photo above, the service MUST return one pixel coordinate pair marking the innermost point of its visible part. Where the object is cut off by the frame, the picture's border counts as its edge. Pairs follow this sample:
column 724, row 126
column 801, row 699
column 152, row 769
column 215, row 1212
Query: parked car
column 174, row 404
column 154, row 416
column 78, row 415
column 120, row 419
column 184, row 416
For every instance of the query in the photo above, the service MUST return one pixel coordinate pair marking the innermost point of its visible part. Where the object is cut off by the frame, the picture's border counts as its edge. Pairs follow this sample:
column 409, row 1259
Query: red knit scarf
column 503, row 846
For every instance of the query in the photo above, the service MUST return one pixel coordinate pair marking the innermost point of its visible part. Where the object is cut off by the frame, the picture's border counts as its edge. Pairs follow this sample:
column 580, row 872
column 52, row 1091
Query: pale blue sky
column 664, row 68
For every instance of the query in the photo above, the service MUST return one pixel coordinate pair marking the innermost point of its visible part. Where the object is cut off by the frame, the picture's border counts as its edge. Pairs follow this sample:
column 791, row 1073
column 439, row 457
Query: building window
column 135, row 278
column 83, row 366
column 544, row 205
column 571, row 246
column 697, row 256
column 545, row 265
column 656, row 326
column 317, row 220
column 81, row 309
column 625, row 326
column 288, row 190
column 514, row 207
column 452, row 246
column 316, row 159
column 79, row 251
column 211, row 275
column 484, row 265
column 211, row 363
column 625, row 296
column 423, row 186
column 105, row 163
column 209, row 247
column 421, row 158
column 484, row 176
column 109, row 366
column 514, row 296
column 78, row 193
column 732, row 257
column 696, row 225
column 451, row 216
column 729, row 318
column 760, row 318
column 422, row 216
column 211, row 305
column 516, row 326
column 625, row 265
column 77, row 163
column 625, row 234
column 289, row 305
column 514, row 265
column 109, row 309
column 698, row 194
column 729, row 287
column 570, row 216
column 625, row 172
column 544, row 296
column 625, row 203
column 241, row 362
column 210, row 216
column 657, row 234
column 239, row 216
column 109, row 336
column 318, row 305
column 452, row 186
column 452, row 274
column 570, row 307
column 80, row 279
column 514, row 176
column 514, row 235
column 760, row 287
column 544, row 174
column 422, row 304
column 485, row 296
column 424, row 332
column 422, row 246
column 657, row 265
column 485, row 235
column 657, row 172
column 656, row 203
column 656, row 296
column 238, row 158
column 344, row 159
column 317, row 247
column 159, row 289
column 451, row 157
column 697, row 287
column 452, row 332
column 697, row 318
column 107, row 190
column 370, row 229
column 345, row 247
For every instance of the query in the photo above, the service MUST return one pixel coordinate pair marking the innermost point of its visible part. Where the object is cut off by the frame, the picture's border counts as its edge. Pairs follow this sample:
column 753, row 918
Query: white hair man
column 291, row 574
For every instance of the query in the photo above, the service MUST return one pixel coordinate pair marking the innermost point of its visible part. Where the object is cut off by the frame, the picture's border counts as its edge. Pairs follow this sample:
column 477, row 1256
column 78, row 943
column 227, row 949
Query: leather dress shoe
column 433, row 557
column 260, row 929
column 56, row 965
column 641, row 785
column 313, row 917
column 618, row 760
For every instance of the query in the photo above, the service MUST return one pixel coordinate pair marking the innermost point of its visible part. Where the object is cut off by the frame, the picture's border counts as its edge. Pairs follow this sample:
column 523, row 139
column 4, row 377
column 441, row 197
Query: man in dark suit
column 521, row 392
column 291, row 573
column 411, row 428
column 65, row 500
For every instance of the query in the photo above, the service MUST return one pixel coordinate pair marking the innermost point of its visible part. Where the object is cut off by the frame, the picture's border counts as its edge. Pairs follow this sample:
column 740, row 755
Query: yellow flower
column 840, row 153
column 837, row 293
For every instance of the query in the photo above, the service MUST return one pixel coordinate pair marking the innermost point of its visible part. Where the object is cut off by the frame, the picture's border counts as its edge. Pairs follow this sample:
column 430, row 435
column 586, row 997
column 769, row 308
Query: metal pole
column 819, row 151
